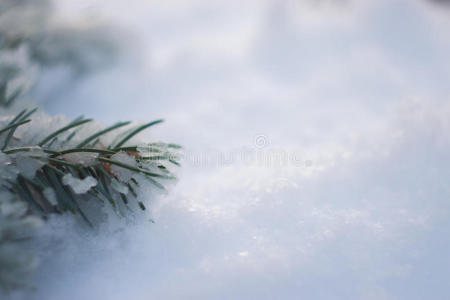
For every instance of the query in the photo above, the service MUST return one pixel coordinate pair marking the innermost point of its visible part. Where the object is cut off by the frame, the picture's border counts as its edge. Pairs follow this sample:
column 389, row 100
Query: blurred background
column 319, row 66
column 317, row 138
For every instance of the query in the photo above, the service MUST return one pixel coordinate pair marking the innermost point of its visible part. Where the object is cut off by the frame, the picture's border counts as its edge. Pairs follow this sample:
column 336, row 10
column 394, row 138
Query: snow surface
column 79, row 186
column 317, row 157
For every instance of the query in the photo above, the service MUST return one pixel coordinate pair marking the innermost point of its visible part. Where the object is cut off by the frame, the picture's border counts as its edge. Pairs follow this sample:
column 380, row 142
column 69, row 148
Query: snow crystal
column 50, row 195
column 79, row 186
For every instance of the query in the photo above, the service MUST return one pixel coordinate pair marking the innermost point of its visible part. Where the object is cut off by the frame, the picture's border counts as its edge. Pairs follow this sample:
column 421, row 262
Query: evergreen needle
column 139, row 170
column 90, row 150
column 136, row 131
column 14, row 125
column 65, row 128
column 27, row 149
column 21, row 116
column 102, row 132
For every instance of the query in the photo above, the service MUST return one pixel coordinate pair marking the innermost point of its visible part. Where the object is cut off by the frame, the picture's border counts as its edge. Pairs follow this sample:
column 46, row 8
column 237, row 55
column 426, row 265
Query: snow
column 123, row 174
column 27, row 164
column 79, row 186
column 360, row 208
column 15, row 226
column 119, row 187
column 8, row 171
column 50, row 195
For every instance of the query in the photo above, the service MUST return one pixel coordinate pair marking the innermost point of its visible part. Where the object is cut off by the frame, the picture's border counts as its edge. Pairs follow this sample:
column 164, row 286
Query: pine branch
column 56, row 168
